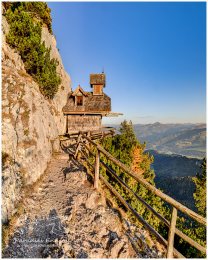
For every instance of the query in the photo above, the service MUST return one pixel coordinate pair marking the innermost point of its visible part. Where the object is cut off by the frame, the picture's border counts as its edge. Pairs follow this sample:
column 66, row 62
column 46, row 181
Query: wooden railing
column 83, row 142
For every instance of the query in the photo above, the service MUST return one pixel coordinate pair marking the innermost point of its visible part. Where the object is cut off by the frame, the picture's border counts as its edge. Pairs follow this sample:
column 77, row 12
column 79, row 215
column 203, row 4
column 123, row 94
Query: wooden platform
column 95, row 134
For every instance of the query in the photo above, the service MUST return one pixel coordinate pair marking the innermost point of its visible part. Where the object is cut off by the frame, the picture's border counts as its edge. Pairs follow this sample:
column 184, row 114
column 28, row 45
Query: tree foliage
column 124, row 147
column 38, row 10
column 190, row 227
column 200, row 191
column 130, row 151
column 25, row 36
column 193, row 229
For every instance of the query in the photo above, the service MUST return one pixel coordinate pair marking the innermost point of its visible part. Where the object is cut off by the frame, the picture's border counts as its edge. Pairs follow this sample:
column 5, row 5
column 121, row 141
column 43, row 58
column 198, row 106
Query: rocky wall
column 30, row 122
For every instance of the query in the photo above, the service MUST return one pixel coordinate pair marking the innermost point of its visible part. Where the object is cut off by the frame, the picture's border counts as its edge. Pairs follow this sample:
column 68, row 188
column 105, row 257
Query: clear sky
column 153, row 54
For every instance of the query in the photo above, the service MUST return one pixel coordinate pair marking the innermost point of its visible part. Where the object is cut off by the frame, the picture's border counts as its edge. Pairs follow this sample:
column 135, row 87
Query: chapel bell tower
column 97, row 82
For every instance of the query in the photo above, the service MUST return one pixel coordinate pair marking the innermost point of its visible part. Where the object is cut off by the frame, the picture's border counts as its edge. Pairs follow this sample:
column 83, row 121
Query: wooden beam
column 150, row 187
column 150, row 228
column 147, row 225
column 78, row 145
column 97, row 170
column 171, row 233
column 88, row 149
column 138, row 197
column 88, row 163
column 160, row 217
column 67, row 124
column 102, row 113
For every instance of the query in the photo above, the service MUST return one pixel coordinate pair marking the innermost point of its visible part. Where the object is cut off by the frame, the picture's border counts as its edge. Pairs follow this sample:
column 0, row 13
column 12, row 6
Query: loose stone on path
column 66, row 217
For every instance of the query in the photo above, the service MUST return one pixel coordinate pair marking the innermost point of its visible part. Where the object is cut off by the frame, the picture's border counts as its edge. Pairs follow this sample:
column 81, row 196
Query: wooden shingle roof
column 97, row 79
column 79, row 89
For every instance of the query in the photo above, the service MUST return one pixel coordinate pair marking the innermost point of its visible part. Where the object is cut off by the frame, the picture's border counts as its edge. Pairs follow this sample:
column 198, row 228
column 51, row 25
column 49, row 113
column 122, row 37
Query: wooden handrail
column 97, row 167
column 150, row 187
column 175, row 204
column 160, row 217
column 126, row 204
column 147, row 225
column 171, row 233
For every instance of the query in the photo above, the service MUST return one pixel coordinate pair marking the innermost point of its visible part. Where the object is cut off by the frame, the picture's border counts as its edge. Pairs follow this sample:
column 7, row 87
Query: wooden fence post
column 78, row 146
column 171, row 233
column 97, row 169
column 88, row 143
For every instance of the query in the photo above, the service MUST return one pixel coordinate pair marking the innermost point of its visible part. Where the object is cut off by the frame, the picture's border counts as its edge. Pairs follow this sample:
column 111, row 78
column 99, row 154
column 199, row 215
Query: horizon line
column 157, row 122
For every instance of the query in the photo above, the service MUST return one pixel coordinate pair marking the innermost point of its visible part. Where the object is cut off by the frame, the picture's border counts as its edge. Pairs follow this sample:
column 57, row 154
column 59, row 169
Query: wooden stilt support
column 171, row 233
column 97, row 169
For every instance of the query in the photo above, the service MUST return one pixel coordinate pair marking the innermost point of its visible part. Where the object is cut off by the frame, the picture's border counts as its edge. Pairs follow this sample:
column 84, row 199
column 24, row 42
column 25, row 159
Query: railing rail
column 171, row 251
column 150, row 187
column 160, row 217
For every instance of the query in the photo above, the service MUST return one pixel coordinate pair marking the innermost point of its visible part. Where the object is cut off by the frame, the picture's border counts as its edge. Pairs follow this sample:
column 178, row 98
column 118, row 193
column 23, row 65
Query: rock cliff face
column 30, row 123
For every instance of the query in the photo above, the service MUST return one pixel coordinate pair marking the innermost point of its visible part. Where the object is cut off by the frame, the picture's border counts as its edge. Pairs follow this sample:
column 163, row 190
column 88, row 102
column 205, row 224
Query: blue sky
column 153, row 54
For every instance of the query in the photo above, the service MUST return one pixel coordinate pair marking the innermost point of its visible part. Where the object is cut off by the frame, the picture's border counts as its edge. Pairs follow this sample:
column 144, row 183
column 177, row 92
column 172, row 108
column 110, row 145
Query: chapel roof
column 97, row 79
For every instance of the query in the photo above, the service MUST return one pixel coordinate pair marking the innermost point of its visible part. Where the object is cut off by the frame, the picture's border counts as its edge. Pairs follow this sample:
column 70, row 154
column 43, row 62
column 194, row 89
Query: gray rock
column 94, row 200
column 116, row 249
column 30, row 123
column 82, row 254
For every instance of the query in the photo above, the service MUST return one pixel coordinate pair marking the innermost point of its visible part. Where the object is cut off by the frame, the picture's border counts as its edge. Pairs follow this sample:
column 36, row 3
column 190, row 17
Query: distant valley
column 173, row 175
column 178, row 150
column 183, row 139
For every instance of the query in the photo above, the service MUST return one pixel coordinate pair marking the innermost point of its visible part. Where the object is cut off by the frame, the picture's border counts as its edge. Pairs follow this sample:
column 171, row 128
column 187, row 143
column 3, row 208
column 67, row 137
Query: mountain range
column 173, row 175
column 177, row 150
column 183, row 139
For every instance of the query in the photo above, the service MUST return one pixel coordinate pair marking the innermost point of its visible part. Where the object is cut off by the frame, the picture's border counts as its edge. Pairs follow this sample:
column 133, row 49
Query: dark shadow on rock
column 112, row 236
column 36, row 239
column 82, row 254
column 68, row 148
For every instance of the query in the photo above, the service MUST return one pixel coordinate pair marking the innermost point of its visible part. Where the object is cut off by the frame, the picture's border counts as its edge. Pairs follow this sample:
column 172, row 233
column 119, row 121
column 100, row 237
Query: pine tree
column 200, row 191
column 190, row 227
column 126, row 148
column 25, row 20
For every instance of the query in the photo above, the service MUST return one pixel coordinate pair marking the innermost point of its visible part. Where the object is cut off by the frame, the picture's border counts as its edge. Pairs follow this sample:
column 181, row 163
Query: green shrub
column 39, row 10
column 25, row 36
column 122, row 146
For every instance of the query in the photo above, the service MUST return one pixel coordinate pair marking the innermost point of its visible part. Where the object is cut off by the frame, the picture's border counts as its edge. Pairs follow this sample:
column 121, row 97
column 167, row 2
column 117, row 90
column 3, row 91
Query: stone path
column 65, row 217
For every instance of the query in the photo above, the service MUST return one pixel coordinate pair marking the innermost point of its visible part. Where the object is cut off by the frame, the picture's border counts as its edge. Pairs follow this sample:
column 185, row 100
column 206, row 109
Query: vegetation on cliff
column 126, row 148
column 200, row 191
column 190, row 227
column 130, row 151
column 25, row 20
column 39, row 10
column 174, row 173
column 200, row 203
